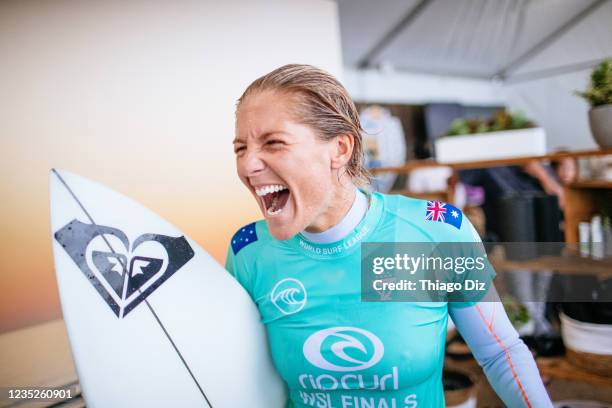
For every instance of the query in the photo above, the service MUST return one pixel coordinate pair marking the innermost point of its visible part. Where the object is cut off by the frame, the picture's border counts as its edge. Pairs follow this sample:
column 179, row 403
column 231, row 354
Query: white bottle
column 597, row 248
column 584, row 236
column 607, row 237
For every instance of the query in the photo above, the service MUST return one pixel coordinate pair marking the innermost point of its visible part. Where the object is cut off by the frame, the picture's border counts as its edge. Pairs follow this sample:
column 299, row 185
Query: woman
column 298, row 151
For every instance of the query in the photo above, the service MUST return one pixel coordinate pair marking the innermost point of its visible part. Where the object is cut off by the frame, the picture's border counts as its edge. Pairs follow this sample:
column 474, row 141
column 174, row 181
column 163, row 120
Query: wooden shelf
column 430, row 195
column 603, row 184
column 583, row 199
column 559, row 367
column 514, row 161
column 569, row 264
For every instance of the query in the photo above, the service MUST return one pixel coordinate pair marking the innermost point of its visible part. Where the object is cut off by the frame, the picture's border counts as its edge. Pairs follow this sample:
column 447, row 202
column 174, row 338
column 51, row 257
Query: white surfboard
column 153, row 320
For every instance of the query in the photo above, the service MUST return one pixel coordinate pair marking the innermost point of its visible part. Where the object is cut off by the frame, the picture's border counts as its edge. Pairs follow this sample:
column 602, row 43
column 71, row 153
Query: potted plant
column 505, row 135
column 599, row 96
column 518, row 315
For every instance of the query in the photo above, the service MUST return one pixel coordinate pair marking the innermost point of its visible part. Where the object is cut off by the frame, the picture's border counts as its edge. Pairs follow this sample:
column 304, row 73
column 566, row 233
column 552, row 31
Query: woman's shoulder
column 402, row 206
column 438, row 219
column 247, row 245
column 250, row 238
column 399, row 201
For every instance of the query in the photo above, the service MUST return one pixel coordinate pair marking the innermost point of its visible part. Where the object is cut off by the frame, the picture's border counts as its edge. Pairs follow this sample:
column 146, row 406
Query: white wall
column 138, row 95
column 552, row 104
column 412, row 88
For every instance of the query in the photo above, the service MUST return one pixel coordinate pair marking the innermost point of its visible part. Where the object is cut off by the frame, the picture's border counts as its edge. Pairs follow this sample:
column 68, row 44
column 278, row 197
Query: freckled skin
column 272, row 147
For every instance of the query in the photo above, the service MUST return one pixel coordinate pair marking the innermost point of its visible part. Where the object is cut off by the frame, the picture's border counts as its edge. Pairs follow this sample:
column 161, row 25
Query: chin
column 281, row 233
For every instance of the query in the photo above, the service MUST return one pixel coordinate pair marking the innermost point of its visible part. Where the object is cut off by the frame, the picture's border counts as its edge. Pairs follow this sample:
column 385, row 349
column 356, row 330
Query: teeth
column 270, row 212
column 272, row 188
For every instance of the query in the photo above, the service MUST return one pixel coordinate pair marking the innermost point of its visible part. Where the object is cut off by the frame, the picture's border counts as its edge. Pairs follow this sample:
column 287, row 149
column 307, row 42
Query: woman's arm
column 551, row 186
column 506, row 361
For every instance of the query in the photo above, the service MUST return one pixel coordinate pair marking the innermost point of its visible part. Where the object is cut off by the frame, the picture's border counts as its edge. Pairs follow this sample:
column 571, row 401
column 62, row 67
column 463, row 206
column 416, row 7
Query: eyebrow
column 263, row 136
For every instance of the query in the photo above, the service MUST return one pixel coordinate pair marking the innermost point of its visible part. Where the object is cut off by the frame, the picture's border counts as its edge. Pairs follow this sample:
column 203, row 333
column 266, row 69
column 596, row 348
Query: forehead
column 263, row 112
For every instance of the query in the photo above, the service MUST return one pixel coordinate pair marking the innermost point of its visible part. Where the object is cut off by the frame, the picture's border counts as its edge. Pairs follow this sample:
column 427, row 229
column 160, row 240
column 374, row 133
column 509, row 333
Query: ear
column 343, row 150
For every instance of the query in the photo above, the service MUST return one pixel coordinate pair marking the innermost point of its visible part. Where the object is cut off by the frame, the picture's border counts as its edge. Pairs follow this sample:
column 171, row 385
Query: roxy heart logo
column 123, row 273
column 289, row 296
column 343, row 349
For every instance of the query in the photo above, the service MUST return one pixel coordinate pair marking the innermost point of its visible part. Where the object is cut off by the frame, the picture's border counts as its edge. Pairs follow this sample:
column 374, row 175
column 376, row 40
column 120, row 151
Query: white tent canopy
column 541, row 51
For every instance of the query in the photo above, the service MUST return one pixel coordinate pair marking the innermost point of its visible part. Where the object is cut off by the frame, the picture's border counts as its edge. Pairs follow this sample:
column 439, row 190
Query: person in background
column 531, row 178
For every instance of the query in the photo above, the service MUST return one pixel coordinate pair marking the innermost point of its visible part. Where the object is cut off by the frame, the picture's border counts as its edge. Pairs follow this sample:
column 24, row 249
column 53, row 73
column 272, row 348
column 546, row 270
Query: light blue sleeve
column 505, row 359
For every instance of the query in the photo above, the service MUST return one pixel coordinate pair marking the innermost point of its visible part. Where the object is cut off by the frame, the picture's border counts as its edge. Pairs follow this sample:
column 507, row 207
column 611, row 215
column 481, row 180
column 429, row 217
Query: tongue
column 277, row 200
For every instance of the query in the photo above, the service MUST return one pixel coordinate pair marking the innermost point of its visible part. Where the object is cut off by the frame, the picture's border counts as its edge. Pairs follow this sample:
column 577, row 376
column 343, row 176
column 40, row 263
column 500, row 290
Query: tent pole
column 548, row 40
column 408, row 19
column 544, row 73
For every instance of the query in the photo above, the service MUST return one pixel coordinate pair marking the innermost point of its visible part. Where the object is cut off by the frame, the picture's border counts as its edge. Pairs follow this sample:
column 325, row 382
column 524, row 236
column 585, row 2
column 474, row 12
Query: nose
column 251, row 164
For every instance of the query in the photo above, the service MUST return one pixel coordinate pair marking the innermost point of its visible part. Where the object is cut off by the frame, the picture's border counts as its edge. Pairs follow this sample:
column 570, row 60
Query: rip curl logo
column 123, row 274
column 289, row 296
column 343, row 349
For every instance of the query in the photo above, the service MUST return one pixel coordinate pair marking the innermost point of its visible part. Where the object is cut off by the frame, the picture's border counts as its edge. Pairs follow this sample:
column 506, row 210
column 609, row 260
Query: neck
column 338, row 206
column 353, row 215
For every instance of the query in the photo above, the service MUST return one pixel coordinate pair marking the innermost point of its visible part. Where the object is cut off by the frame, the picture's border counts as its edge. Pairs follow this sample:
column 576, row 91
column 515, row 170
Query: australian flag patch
column 443, row 212
column 245, row 236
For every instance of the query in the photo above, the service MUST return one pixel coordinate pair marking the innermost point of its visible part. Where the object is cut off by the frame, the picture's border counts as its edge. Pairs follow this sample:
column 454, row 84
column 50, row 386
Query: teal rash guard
column 335, row 351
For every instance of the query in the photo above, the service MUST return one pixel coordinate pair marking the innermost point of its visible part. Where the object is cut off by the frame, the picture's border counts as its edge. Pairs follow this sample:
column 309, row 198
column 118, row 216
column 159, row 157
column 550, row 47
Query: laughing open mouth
column 274, row 197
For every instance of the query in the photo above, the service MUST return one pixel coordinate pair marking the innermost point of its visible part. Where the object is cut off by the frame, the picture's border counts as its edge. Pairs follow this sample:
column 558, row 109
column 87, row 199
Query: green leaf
column 599, row 91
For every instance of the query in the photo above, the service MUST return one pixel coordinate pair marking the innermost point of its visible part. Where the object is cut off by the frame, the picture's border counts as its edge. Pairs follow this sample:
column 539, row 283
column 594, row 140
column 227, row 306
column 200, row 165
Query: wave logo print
column 289, row 296
column 343, row 349
column 123, row 273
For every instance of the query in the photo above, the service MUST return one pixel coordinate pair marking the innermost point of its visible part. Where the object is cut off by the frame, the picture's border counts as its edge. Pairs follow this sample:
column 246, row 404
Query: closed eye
column 274, row 142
